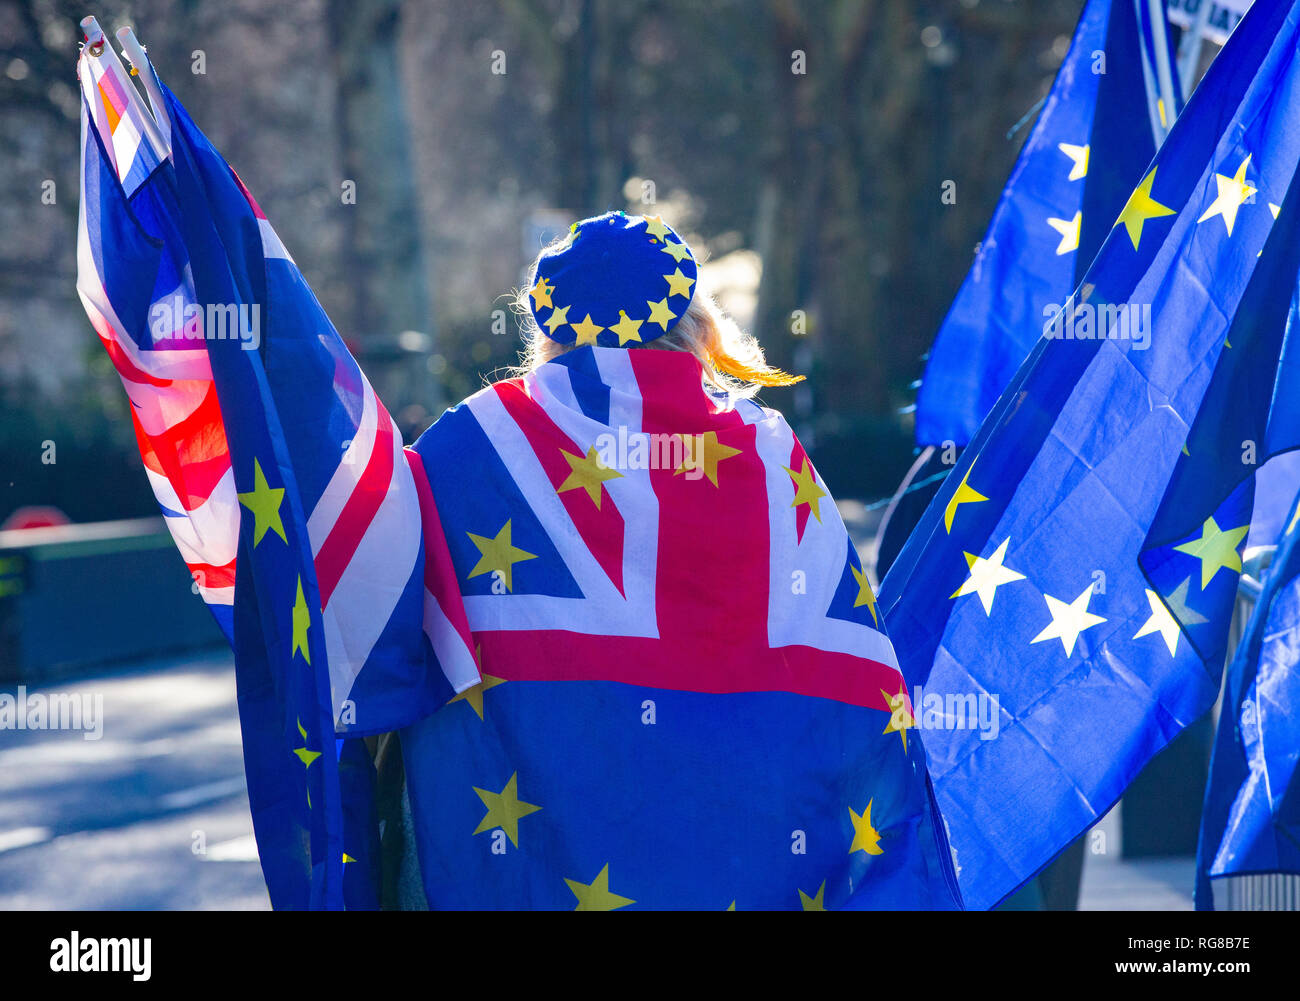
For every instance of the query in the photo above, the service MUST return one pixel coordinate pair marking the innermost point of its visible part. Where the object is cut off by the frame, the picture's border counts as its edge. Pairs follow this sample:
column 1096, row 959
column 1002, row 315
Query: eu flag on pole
column 1251, row 821
column 1079, row 565
column 280, row 473
column 1094, row 136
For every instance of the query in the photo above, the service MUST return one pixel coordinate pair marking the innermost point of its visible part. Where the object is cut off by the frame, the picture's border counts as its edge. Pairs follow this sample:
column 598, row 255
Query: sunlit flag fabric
column 283, row 480
column 121, row 275
column 1251, row 821
column 1081, row 562
column 1087, row 150
column 688, row 698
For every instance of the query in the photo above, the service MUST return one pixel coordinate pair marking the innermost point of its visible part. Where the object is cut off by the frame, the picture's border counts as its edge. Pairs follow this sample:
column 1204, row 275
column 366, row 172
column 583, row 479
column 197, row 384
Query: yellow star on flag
column 816, row 903
column 1079, row 155
column 627, row 328
column 964, row 494
column 1216, row 549
column 504, row 810
column 987, row 575
column 900, row 720
column 1069, row 619
column 865, row 595
column 587, row 474
column 474, row 694
column 1234, row 192
column 558, row 318
column 1069, row 230
column 679, row 284
column 264, row 502
column 675, row 250
column 656, row 227
column 704, row 451
column 541, row 294
column 806, row 488
column 498, row 554
column 305, row 755
column 1294, row 519
column 301, row 623
column 586, row 331
column 865, row 837
column 1140, row 207
column 1161, row 621
column 596, row 895
column 660, row 313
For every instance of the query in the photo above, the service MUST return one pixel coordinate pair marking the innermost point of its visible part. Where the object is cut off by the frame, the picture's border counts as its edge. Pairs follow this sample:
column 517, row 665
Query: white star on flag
column 987, row 575
column 1069, row 619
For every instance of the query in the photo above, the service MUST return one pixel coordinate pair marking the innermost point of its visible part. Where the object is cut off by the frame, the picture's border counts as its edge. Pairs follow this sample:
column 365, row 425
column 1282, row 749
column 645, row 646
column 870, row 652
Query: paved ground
column 154, row 814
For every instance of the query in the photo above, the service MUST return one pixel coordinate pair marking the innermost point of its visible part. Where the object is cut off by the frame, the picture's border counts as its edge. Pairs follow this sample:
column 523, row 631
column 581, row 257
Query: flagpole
column 1164, row 71
column 1189, row 50
column 97, row 47
column 135, row 52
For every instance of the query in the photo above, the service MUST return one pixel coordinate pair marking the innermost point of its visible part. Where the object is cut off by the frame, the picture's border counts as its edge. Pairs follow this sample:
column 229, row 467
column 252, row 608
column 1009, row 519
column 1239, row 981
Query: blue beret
column 616, row 280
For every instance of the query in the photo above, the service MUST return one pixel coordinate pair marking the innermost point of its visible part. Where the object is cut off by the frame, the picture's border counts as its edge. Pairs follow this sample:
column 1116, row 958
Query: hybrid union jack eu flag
column 631, row 652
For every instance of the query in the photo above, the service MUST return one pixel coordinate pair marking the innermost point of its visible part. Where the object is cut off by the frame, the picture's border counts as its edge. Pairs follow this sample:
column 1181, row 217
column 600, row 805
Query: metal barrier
column 75, row 597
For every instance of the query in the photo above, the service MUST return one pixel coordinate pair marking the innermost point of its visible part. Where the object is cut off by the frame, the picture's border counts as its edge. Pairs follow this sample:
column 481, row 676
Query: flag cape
column 688, row 700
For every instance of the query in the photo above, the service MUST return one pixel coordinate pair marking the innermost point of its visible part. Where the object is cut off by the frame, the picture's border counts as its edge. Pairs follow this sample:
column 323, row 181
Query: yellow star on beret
column 656, row 227
column 627, row 328
column 679, row 284
column 558, row 318
column 660, row 313
column 586, row 331
column 676, row 250
column 541, row 293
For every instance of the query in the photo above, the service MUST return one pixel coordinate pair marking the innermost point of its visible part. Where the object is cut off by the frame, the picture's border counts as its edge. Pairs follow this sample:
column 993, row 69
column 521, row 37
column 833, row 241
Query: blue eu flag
column 1092, row 140
column 1079, row 566
column 1251, row 822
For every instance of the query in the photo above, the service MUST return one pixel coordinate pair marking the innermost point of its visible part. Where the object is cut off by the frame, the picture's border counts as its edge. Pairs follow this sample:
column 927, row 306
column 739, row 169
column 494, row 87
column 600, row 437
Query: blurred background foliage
column 802, row 146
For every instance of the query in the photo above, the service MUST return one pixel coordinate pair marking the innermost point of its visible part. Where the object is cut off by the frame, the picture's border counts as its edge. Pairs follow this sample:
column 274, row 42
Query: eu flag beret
column 615, row 280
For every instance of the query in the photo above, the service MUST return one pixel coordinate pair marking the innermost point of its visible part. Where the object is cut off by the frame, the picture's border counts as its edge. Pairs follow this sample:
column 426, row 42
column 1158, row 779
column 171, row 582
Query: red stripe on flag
column 213, row 576
column 601, row 527
column 354, row 520
column 126, row 368
column 556, row 655
column 439, row 571
column 192, row 453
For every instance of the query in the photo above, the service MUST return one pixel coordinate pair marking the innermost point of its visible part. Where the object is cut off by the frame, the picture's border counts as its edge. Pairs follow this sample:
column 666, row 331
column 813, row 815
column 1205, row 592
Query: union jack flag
column 298, row 516
column 685, row 676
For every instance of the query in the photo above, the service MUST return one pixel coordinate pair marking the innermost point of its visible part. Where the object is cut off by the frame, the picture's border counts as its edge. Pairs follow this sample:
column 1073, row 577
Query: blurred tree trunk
column 382, row 249
column 851, row 222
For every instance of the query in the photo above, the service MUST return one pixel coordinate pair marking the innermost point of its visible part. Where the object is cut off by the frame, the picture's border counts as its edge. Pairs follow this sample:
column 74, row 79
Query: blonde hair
column 733, row 360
